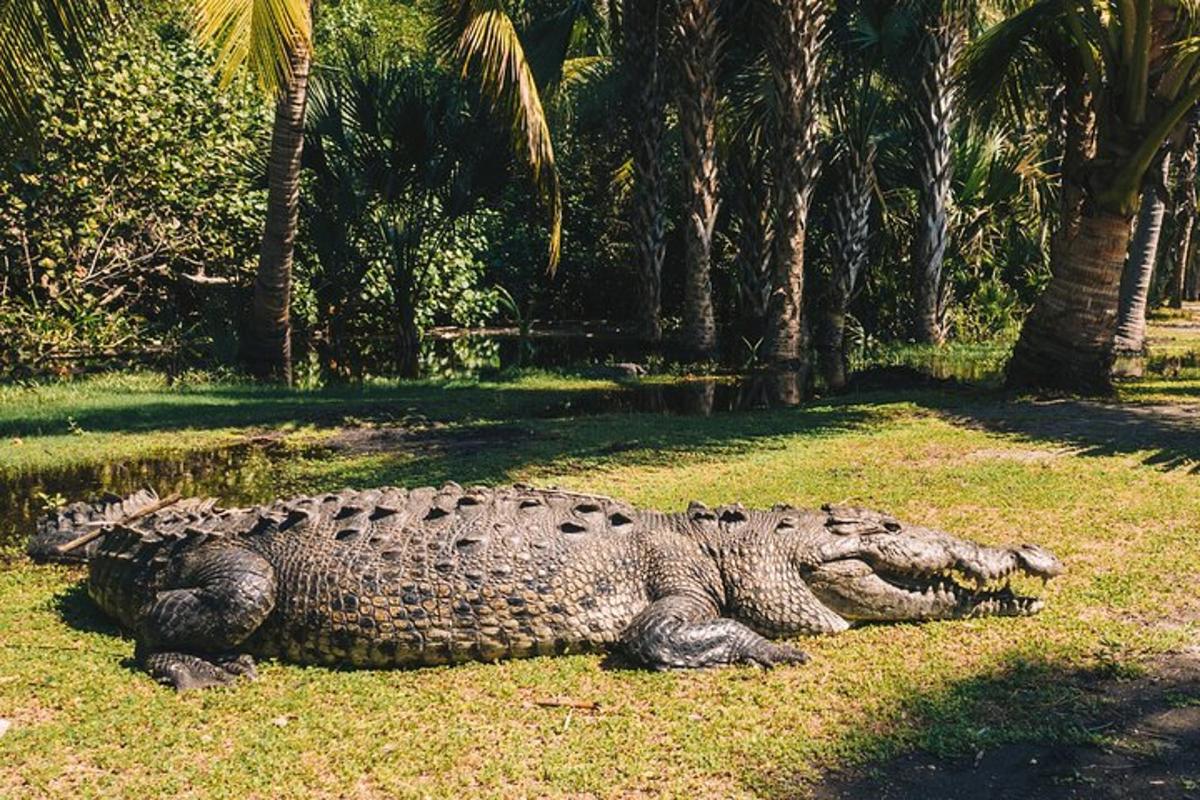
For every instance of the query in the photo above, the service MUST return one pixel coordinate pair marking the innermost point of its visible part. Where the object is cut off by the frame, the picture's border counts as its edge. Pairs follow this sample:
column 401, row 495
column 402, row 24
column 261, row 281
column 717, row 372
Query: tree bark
column 851, row 234
column 1130, row 339
column 1191, row 288
column 934, row 113
column 749, row 194
column 268, row 349
column 1044, row 356
column 643, row 36
column 795, row 62
column 1066, row 342
column 699, row 48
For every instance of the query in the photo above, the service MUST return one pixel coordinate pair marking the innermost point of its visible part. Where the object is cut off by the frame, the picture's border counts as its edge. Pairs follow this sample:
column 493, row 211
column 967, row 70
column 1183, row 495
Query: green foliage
column 401, row 158
column 141, row 177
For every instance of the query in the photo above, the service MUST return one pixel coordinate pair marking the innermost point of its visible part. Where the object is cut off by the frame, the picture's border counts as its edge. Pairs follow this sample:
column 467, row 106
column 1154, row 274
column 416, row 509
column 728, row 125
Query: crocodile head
column 869, row 567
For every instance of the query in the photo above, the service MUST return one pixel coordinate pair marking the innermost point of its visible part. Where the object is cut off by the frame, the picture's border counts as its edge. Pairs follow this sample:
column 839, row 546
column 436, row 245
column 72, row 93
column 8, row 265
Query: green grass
column 1112, row 494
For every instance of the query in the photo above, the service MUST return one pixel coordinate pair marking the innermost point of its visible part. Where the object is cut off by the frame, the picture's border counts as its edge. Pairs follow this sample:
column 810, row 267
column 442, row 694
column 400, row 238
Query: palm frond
column 997, row 64
column 262, row 35
column 479, row 36
column 37, row 37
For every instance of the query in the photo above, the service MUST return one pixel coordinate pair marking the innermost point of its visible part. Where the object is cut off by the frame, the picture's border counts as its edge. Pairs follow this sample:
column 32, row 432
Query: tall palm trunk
column 1185, row 202
column 1075, row 354
column 935, row 108
column 749, row 195
column 1066, row 341
column 1138, row 274
column 268, row 349
column 851, row 234
column 1191, row 285
column 699, row 50
column 795, row 61
column 643, row 36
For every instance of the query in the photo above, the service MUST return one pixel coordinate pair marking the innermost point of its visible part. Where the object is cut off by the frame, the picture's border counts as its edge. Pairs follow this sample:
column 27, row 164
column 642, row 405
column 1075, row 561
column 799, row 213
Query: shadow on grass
column 79, row 611
column 1168, row 434
column 1031, row 730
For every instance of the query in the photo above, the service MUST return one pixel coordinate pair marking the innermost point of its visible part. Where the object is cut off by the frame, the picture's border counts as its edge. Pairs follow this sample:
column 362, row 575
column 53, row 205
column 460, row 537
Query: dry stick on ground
column 582, row 705
column 79, row 541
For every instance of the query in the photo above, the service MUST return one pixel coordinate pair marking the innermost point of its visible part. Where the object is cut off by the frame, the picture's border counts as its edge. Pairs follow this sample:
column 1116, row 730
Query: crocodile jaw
column 856, row 591
column 922, row 574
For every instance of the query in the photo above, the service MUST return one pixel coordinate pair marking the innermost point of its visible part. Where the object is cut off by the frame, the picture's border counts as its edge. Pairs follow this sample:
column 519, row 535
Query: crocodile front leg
column 685, row 632
column 213, row 600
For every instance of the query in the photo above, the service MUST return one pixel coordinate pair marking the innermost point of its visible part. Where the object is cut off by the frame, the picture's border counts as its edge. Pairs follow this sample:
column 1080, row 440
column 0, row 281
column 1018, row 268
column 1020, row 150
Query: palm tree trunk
column 748, row 192
column 268, row 349
column 1050, row 354
column 851, row 233
column 699, row 48
column 1184, row 211
column 1130, row 339
column 1066, row 341
column 795, row 61
column 1191, row 287
column 934, row 113
column 643, row 36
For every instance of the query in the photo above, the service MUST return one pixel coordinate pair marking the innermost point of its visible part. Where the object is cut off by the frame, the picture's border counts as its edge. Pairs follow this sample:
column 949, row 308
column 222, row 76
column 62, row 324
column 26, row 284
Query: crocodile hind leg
column 683, row 632
column 213, row 600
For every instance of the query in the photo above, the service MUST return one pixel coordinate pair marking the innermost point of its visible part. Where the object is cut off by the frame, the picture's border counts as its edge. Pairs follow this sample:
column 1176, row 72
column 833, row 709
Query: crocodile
column 392, row 577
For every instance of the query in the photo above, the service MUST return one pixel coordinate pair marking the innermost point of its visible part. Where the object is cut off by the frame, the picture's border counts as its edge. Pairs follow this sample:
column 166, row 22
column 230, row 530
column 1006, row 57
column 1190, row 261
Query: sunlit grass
column 87, row 723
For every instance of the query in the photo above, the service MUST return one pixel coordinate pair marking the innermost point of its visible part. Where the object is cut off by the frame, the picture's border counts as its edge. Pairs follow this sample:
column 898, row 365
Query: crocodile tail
column 67, row 523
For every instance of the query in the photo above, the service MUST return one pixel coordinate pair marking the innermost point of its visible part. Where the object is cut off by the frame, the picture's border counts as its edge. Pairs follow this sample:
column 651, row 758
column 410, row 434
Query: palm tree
column 794, row 51
column 643, row 28
column 860, row 34
column 1140, row 73
column 699, row 47
column 272, row 38
column 943, row 30
column 35, row 36
column 1129, row 343
column 267, row 347
column 853, row 166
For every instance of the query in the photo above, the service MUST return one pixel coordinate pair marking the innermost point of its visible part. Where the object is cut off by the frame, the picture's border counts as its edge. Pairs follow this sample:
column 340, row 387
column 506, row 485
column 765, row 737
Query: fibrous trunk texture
column 1066, row 341
column 749, row 194
column 1050, row 352
column 851, row 234
column 1185, row 203
column 934, row 109
column 642, row 27
column 268, row 349
column 1191, row 285
column 699, row 50
column 795, row 60
column 1139, row 266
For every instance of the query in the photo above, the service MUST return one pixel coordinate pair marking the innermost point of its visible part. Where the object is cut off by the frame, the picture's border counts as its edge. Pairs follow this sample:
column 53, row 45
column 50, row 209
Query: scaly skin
column 394, row 578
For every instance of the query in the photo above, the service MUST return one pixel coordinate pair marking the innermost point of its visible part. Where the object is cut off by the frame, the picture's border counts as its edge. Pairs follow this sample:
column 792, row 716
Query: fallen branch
column 100, row 527
column 206, row 280
column 576, row 704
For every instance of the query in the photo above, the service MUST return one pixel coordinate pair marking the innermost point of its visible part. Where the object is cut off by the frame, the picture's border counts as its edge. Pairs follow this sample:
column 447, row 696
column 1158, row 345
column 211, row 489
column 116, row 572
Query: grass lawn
column 1110, row 488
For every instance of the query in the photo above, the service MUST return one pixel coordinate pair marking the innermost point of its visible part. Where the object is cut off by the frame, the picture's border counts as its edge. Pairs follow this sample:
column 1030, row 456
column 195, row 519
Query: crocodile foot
column 772, row 654
column 185, row 671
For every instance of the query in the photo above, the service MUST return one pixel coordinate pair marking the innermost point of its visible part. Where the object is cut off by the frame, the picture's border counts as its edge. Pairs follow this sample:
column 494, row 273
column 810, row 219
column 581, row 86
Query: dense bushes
column 130, row 206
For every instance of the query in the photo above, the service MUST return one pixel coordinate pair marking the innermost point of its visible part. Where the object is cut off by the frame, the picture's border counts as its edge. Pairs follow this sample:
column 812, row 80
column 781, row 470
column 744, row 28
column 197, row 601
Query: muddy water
column 249, row 473
column 237, row 475
column 690, row 398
